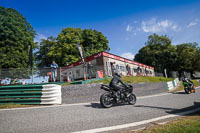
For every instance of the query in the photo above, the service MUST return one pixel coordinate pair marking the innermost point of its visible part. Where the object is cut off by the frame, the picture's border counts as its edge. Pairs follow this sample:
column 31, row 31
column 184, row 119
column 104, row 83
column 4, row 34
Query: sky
column 125, row 23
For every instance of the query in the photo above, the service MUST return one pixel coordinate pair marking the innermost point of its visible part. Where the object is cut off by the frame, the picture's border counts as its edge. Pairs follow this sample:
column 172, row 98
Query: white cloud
column 154, row 25
column 38, row 37
column 193, row 23
column 129, row 28
column 128, row 55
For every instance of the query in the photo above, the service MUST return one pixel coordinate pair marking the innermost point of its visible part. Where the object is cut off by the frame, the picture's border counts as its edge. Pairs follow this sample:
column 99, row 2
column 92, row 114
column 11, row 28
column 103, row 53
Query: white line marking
column 136, row 123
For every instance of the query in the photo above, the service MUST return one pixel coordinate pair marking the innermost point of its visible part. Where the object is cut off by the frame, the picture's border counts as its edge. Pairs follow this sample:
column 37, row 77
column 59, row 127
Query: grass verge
column 11, row 105
column 187, row 124
column 133, row 79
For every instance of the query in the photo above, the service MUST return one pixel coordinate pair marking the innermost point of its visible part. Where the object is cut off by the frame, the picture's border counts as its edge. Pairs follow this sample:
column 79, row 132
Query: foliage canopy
column 16, row 43
column 161, row 54
column 16, row 39
column 63, row 49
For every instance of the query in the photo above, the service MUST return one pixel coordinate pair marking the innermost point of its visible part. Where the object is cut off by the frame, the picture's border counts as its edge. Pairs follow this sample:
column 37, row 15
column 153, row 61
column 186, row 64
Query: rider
column 117, row 84
column 189, row 82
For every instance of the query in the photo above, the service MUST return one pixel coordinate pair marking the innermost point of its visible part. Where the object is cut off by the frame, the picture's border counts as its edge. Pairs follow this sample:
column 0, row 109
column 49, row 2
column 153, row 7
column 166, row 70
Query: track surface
column 80, row 117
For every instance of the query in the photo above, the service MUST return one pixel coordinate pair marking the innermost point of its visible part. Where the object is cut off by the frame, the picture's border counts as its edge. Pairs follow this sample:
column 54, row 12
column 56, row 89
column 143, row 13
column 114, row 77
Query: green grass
column 11, row 105
column 65, row 84
column 196, row 83
column 188, row 124
column 136, row 79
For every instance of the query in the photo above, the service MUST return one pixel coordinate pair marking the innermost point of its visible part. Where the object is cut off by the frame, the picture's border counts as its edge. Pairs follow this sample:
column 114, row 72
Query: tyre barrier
column 31, row 94
column 172, row 84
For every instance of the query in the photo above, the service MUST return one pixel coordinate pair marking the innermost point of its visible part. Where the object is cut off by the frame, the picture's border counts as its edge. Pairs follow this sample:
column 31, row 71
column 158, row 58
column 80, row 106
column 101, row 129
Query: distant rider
column 189, row 82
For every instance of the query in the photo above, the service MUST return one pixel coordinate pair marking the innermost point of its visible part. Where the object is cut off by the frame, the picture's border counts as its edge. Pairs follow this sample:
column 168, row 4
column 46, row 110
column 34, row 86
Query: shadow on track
column 195, row 106
column 179, row 93
column 95, row 105
column 173, row 110
column 163, row 108
column 98, row 105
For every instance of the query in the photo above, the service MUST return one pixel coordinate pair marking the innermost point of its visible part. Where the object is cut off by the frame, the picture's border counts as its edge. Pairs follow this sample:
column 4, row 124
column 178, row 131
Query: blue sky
column 126, row 23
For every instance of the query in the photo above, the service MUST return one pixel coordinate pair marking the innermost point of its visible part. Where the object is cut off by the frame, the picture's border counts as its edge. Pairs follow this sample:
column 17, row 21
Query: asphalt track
column 91, row 117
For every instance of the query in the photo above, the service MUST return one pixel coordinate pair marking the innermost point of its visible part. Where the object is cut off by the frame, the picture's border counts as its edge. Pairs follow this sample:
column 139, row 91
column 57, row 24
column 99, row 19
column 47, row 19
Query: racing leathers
column 117, row 84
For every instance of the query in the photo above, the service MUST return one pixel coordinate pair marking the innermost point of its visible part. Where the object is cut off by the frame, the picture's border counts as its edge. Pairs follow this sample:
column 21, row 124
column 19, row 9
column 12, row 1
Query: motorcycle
column 188, row 87
column 109, row 98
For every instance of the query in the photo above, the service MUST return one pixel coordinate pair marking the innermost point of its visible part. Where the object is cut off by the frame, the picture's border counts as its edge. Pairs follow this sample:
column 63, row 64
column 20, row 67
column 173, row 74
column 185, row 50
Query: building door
column 71, row 76
column 109, row 70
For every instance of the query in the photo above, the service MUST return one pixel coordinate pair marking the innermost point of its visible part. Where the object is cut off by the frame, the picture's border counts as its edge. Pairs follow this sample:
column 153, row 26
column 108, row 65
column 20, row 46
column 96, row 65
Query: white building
column 107, row 63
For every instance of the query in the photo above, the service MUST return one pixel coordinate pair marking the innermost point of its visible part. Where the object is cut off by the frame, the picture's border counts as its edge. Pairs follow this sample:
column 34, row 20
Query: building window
column 122, row 68
column 135, row 70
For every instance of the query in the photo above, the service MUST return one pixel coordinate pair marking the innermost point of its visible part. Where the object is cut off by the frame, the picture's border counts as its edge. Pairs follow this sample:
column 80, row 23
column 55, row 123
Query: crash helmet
column 117, row 74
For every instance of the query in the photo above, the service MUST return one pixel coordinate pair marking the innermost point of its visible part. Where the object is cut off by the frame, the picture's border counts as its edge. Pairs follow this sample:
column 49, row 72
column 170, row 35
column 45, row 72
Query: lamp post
column 31, row 59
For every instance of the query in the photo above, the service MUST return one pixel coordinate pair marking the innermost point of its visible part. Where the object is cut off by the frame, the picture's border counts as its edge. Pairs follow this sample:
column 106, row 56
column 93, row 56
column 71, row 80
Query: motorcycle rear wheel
column 187, row 91
column 132, row 99
column 106, row 100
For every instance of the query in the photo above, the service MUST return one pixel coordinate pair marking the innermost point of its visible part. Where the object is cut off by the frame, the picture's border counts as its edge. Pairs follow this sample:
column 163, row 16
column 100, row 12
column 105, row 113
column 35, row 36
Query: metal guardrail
column 16, row 76
column 24, row 76
column 31, row 94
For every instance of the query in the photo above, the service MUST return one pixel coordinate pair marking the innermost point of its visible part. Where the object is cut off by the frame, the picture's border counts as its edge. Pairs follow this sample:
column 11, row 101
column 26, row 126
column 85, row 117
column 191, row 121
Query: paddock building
column 106, row 64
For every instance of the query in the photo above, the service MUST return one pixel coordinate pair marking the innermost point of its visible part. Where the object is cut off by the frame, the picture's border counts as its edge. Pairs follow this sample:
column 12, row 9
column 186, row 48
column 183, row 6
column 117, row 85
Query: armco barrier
column 172, row 84
column 31, row 94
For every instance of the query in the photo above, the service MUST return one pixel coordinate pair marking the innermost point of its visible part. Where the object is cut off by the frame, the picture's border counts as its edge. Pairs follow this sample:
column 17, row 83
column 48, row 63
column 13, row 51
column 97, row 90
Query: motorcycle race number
column 109, row 70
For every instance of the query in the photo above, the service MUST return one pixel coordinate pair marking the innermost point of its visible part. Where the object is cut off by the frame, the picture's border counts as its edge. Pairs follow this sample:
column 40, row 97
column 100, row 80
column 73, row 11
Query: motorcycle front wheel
column 106, row 100
column 131, row 99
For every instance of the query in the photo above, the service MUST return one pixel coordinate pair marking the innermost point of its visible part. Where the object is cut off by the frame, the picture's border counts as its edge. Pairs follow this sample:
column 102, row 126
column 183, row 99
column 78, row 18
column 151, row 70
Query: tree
column 44, row 48
column 94, row 42
column 16, row 40
column 64, row 49
column 188, row 57
column 158, row 52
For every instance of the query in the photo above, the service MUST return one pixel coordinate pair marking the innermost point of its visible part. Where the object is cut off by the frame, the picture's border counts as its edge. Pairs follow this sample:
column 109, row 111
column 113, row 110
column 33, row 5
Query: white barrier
column 172, row 84
column 51, row 94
